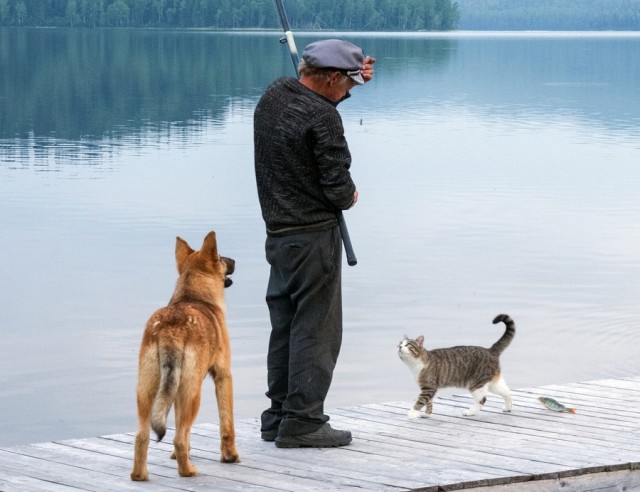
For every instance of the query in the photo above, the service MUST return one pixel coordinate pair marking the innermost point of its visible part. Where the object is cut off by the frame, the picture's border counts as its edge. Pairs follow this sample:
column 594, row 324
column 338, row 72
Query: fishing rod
column 291, row 44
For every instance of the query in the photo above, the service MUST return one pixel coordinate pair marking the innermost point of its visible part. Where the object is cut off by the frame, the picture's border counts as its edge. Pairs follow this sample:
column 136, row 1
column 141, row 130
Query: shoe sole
column 298, row 444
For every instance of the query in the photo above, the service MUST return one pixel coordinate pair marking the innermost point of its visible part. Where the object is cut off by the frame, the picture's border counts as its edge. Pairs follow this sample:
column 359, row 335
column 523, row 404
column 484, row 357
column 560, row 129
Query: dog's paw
column 229, row 453
column 140, row 476
column 188, row 471
column 230, row 458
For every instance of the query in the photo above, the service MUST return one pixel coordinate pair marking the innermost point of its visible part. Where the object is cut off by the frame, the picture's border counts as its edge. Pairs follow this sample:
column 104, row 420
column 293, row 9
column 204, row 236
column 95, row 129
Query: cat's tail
column 498, row 347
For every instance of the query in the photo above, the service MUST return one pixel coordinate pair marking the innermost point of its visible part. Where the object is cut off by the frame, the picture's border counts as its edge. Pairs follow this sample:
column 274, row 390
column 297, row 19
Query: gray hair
column 321, row 74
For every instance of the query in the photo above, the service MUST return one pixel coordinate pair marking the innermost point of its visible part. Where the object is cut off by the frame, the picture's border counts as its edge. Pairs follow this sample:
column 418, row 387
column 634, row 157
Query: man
column 302, row 171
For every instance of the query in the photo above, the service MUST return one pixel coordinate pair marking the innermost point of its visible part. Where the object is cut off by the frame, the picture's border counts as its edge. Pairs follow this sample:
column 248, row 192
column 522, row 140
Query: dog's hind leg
column 186, row 407
column 224, row 397
column 140, row 472
column 147, row 387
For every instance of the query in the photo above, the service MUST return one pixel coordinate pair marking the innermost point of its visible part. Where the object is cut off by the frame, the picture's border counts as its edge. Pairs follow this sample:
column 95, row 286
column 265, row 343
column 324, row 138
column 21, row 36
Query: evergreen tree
column 355, row 15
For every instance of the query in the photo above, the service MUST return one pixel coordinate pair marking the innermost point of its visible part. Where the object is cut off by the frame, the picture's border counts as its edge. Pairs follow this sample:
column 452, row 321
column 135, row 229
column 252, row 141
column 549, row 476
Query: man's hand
column 367, row 68
column 355, row 198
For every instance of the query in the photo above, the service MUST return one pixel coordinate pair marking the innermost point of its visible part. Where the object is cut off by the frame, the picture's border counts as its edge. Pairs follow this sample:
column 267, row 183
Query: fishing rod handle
column 346, row 240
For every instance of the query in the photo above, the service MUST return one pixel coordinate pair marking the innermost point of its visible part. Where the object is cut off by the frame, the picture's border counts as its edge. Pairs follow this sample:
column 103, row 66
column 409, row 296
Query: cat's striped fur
column 474, row 368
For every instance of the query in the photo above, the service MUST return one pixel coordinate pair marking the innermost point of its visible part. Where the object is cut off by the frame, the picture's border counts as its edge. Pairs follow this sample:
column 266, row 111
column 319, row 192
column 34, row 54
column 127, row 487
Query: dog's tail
column 498, row 347
column 170, row 368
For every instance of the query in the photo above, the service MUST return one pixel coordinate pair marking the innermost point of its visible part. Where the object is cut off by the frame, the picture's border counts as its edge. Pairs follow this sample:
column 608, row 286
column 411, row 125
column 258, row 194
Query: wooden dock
column 531, row 449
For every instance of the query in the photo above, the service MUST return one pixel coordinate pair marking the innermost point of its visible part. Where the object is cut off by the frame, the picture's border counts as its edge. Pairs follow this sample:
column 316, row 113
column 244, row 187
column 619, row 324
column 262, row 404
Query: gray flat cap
column 338, row 54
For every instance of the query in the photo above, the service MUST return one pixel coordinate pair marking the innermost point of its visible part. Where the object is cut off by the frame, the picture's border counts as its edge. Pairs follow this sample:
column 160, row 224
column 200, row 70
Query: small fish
column 551, row 404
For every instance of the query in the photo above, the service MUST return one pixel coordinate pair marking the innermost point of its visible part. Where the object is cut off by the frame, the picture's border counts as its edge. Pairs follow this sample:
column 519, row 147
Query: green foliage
column 570, row 15
column 357, row 15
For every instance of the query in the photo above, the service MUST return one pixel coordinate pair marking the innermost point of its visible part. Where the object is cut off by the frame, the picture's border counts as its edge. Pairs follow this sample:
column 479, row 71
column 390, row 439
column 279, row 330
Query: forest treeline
column 569, row 15
column 353, row 15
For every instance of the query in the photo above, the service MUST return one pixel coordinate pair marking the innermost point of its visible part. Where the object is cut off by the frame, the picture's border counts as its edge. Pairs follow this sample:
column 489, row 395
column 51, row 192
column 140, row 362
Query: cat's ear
column 420, row 341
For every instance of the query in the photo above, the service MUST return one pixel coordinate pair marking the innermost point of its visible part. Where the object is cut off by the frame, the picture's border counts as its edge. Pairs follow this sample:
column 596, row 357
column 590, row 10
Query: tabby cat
column 474, row 368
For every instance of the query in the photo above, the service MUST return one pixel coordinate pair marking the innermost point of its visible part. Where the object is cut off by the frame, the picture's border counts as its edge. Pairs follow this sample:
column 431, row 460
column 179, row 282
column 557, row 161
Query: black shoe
column 269, row 435
column 324, row 437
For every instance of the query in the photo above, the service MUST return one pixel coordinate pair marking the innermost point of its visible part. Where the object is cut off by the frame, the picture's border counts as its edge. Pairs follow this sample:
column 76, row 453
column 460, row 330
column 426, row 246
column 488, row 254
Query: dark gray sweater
column 301, row 159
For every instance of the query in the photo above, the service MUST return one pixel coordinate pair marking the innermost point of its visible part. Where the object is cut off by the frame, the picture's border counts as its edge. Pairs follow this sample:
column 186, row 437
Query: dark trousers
column 305, row 305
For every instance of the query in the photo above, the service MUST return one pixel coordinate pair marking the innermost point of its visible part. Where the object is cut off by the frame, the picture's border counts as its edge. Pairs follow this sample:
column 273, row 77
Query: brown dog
column 183, row 342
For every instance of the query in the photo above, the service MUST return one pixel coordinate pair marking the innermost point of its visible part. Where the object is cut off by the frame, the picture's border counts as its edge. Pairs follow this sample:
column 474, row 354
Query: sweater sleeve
column 334, row 160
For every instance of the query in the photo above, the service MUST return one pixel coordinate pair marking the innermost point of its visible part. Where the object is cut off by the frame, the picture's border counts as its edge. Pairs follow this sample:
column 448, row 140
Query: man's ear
column 334, row 77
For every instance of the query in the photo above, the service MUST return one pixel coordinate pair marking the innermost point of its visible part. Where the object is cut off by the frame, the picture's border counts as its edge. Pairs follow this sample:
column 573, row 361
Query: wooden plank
column 497, row 426
column 118, row 467
column 20, row 483
column 339, row 466
column 363, row 465
column 528, row 448
column 630, row 385
column 245, row 472
column 564, row 426
column 515, row 445
column 309, row 473
column 596, row 426
column 594, row 395
column 603, row 482
column 599, row 407
column 61, row 473
column 490, row 450
column 589, row 395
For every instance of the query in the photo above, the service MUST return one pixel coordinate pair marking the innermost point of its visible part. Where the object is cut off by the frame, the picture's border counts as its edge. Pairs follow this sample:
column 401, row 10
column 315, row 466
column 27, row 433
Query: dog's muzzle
column 231, row 267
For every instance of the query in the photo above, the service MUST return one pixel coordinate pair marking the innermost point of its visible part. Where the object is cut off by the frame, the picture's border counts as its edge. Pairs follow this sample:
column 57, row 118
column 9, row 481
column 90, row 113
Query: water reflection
column 113, row 85
column 110, row 84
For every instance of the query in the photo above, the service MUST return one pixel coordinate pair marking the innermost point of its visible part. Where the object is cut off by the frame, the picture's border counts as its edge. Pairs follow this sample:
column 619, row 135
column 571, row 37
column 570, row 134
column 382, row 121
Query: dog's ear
column 183, row 250
column 210, row 246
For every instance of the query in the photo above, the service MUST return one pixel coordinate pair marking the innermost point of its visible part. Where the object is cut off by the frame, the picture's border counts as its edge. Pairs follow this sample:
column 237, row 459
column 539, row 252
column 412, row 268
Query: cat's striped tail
column 498, row 347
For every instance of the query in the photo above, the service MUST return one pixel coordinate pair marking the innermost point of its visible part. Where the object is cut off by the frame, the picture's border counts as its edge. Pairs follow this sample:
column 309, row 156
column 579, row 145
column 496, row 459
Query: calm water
column 497, row 173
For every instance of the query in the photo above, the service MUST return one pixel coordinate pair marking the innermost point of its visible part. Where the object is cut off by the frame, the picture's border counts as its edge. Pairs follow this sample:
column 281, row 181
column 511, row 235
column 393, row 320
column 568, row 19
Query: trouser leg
column 305, row 303
column 281, row 312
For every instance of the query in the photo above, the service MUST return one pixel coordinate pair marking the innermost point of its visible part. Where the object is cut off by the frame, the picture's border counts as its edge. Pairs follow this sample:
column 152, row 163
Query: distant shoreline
column 318, row 31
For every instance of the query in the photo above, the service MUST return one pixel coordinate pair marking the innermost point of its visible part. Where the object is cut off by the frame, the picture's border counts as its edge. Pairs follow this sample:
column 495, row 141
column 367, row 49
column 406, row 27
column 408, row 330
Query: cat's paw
column 506, row 409
column 413, row 414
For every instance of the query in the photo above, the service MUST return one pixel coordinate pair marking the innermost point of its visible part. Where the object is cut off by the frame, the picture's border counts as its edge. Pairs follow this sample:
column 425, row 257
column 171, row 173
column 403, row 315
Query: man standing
column 302, row 172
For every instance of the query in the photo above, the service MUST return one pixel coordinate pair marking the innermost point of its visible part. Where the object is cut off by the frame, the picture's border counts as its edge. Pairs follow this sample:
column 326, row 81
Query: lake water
column 497, row 173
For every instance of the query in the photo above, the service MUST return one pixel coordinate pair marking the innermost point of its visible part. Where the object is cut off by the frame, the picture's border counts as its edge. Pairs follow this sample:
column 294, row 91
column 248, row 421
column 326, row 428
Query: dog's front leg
column 224, row 396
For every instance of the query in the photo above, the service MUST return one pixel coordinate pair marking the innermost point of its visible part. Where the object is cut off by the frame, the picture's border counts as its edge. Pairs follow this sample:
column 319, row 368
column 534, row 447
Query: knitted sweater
column 301, row 159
